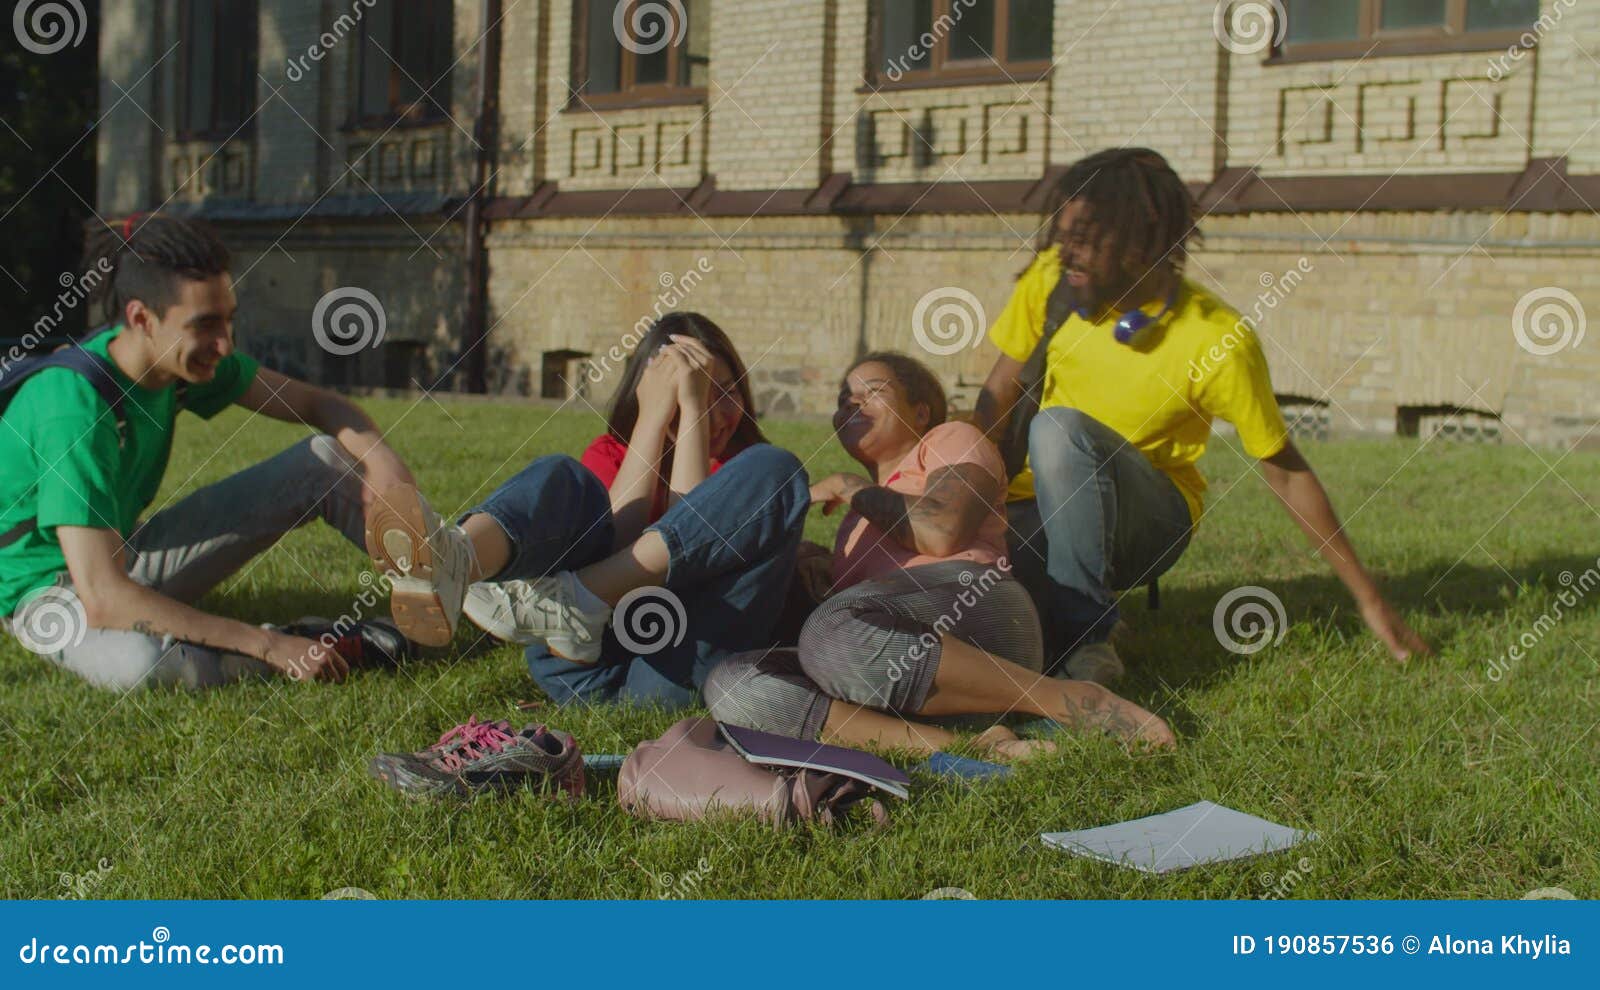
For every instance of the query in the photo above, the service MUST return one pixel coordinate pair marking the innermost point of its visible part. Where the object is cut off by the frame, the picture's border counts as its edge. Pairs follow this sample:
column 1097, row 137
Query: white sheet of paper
column 1201, row 833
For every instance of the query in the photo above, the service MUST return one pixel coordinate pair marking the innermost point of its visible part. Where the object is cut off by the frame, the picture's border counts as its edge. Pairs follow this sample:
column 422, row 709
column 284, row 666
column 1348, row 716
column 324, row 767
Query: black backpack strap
column 1057, row 310
column 15, row 533
column 96, row 369
column 93, row 368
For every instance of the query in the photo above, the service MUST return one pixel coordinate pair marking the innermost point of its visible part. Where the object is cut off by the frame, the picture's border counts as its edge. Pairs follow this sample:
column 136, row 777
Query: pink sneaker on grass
column 479, row 756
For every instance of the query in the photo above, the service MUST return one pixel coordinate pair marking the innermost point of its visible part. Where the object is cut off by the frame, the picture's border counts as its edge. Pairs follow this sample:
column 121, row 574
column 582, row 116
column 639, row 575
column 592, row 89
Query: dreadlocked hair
column 1135, row 207
column 148, row 257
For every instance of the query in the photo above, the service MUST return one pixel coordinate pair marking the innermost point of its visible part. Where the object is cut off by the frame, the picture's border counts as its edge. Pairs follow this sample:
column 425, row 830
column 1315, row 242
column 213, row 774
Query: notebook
column 1203, row 832
column 947, row 765
column 766, row 749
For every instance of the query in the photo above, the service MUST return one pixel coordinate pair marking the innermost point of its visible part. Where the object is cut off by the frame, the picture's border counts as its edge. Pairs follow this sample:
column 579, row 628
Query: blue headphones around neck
column 1134, row 322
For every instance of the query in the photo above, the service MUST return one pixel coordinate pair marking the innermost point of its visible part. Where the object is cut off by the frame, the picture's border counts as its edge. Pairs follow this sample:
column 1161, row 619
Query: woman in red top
column 924, row 619
column 633, row 573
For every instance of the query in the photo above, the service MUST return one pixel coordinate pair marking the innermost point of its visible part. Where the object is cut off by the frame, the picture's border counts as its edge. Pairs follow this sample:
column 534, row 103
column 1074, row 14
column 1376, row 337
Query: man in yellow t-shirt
column 1133, row 380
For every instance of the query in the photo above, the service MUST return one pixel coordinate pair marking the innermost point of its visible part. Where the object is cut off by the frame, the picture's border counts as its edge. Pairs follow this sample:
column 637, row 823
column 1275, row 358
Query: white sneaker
column 489, row 607
column 427, row 561
column 542, row 611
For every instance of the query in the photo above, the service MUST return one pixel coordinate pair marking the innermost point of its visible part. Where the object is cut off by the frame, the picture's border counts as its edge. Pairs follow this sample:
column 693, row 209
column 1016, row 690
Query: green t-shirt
column 61, row 462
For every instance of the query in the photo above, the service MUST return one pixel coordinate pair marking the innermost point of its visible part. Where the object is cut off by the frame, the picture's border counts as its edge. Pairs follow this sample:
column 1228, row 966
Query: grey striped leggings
column 876, row 644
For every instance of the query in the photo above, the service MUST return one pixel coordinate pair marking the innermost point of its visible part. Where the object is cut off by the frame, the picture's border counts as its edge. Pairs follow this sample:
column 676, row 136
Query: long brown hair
column 624, row 413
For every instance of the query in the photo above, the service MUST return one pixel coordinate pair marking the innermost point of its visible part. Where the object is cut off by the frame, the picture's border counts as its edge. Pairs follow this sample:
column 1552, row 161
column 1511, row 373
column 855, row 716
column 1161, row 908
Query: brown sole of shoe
column 396, row 533
column 577, row 660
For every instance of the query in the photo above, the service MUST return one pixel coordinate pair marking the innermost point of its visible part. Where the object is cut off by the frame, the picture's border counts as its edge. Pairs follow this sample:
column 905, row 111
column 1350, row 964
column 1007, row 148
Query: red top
column 604, row 457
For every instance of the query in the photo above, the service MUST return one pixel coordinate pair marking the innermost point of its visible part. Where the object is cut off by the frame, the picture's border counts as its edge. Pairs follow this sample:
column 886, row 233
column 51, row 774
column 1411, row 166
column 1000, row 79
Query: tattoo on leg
column 1101, row 712
column 147, row 628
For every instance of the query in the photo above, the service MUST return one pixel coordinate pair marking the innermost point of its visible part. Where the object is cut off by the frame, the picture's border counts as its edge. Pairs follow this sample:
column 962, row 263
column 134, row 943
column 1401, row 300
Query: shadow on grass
column 1178, row 646
column 1168, row 651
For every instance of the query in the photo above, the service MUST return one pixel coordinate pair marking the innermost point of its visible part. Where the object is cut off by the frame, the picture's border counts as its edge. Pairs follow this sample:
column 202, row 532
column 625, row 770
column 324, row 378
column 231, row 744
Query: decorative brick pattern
column 415, row 159
column 1399, row 310
column 198, row 170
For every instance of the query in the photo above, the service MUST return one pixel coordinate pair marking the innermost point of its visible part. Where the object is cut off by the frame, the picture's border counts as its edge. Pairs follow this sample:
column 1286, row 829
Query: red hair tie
column 127, row 225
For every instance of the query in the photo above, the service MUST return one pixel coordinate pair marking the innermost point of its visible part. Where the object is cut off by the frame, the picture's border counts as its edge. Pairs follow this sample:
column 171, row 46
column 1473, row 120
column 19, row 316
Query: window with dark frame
column 943, row 42
column 405, row 59
column 1318, row 29
column 636, row 52
column 217, row 94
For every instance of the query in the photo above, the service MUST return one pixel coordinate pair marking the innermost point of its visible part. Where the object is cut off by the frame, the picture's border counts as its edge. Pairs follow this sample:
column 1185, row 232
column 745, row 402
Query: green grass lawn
column 1431, row 780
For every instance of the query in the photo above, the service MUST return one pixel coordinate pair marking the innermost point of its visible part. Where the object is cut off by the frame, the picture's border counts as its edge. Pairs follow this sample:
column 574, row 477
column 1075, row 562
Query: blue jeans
column 1103, row 519
column 733, row 541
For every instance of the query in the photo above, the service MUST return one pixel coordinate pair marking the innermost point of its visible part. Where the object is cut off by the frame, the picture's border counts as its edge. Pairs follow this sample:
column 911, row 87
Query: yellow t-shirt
column 1200, row 362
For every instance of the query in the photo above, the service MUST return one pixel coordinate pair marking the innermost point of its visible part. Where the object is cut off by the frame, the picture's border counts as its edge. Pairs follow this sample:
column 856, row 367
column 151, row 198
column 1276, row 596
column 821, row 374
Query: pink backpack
column 692, row 773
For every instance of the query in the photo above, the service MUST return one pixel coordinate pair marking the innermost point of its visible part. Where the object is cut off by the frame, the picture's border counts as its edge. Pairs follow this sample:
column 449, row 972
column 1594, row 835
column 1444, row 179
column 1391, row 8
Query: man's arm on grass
column 942, row 520
column 1297, row 487
column 112, row 600
column 294, row 401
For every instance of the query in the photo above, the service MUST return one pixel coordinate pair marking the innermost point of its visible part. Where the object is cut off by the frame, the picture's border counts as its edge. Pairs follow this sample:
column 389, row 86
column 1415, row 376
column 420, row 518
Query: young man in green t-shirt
column 1134, row 378
column 84, row 581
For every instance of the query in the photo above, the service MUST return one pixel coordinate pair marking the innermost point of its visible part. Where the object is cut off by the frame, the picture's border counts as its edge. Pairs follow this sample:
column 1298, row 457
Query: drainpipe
column 485, row 133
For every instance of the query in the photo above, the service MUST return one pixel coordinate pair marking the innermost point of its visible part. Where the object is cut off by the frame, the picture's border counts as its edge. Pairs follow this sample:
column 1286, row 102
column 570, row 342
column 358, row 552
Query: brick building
column 1401, row 192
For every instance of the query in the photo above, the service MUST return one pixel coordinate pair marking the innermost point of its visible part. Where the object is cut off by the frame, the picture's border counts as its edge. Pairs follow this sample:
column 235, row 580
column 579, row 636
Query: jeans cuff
column 675, row 548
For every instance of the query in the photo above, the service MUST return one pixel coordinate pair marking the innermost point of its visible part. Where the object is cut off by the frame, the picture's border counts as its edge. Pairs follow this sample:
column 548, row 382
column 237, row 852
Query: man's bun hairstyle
column 147, row 257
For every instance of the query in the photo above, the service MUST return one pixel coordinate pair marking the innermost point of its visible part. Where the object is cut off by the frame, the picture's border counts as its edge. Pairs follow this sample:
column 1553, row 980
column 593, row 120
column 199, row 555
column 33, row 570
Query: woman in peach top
column 923, row 620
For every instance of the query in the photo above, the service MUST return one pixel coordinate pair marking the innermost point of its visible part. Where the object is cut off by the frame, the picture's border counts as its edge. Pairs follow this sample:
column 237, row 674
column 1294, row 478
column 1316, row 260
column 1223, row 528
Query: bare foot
column 1004, row 745
column 1089, row 706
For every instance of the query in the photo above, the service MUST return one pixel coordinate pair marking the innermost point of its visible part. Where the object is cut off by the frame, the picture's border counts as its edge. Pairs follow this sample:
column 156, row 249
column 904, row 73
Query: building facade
column 1400, row 195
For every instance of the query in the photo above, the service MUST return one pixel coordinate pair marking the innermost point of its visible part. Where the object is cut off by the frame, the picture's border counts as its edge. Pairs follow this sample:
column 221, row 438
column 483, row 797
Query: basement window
column 563, row 374
column 1452, row 423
